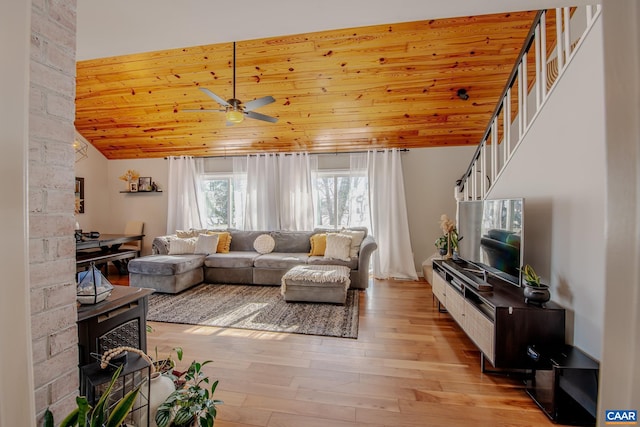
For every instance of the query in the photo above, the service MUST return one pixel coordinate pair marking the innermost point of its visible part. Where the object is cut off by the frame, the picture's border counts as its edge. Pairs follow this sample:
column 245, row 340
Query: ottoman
column 166, row 273
column 316, row 283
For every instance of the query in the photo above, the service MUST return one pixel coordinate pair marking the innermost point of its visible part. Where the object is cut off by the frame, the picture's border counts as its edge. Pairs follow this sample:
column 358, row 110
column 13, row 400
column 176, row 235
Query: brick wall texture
column 51, row 205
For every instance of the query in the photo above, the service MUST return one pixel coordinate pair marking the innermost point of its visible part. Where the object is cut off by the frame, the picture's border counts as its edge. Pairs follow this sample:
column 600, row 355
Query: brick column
column 51, row 205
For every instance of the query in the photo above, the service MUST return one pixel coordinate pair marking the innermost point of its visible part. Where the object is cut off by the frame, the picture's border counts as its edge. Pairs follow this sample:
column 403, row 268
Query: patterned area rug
column 255, row 307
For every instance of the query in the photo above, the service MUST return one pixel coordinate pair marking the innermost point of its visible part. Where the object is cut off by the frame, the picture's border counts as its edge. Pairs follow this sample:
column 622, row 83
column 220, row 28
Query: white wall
column 430, row 175
column 620, row 366
column 93, row 169
column 559, row 170
column 107, row 210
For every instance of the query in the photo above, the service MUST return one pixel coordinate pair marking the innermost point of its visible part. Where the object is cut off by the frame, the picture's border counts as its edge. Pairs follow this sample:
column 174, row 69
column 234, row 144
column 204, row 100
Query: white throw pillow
column 179, row 246
column 206, row 244
column 338, row 246
column 357, row 236
column 264, row 244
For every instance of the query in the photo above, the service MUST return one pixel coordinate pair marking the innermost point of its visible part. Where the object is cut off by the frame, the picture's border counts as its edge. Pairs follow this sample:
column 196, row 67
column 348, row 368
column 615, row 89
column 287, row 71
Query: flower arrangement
column 130, row 175
column 448, row 242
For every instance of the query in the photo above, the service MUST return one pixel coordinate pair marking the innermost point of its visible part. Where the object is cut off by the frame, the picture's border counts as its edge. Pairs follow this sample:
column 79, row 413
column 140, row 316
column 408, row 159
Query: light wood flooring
column 410, row 366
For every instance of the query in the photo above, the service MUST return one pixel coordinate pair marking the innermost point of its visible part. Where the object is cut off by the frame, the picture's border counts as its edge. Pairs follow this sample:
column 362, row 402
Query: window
column 219, row 206
column 341, row 199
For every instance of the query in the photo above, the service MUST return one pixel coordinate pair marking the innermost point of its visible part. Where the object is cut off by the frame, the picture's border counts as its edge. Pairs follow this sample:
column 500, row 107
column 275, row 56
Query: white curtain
column 389, row 221
column 262, row 196
column 274, row 191
column 185, row 206
column 296, row 191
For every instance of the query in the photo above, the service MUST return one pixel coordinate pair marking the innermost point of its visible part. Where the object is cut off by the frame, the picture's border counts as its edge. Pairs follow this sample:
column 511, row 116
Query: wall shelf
column 136, row 192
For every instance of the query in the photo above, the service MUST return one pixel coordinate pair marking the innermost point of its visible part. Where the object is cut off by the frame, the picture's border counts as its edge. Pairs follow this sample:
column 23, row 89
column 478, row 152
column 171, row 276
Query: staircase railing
column 548, row 49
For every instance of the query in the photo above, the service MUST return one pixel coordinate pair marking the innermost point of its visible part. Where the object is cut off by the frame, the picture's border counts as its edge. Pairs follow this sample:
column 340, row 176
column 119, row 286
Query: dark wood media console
column 498, row 320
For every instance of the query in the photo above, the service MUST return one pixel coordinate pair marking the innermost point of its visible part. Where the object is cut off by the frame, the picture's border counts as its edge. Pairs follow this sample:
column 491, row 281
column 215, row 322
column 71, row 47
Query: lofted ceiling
column 378, row 86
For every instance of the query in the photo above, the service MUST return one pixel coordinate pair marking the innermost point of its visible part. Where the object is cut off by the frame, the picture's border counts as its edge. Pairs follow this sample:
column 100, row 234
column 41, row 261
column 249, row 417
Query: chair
column 133, row 227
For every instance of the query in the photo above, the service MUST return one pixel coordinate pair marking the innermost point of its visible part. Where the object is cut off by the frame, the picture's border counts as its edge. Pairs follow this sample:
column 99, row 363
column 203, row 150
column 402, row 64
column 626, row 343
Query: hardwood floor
column 410, row 366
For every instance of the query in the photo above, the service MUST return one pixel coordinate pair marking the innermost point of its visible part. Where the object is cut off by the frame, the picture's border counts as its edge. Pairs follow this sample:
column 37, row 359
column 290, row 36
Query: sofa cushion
column 264, row 244
column 280, row 260
column 292, row 241
column 165, row 265
column 207, row 244
column 224, row 241
column 233, row 259
column 338, row 246
column 318, row 244
column 180, row 246
column 243, row 240
column 320, row 260
column 357, row 236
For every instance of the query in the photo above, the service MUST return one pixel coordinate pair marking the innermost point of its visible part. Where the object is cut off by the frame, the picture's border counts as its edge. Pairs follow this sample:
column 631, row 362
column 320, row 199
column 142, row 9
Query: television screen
column 492, row 232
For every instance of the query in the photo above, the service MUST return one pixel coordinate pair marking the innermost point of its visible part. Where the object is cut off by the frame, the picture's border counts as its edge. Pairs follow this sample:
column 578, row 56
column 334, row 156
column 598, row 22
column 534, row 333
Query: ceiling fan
column 235, row 110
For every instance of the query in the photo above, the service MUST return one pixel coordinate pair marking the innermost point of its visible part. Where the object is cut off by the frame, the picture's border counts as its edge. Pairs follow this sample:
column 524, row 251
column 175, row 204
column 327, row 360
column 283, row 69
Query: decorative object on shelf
column 144, row 183
column 102, row 413
column 534, row 291
column 110, row 358
column 447, row 244
column 192, row 405
column 92, row 287
column 80, row 146
column 79, row 193
column 161, row 388
column 131, row 175
column 133, row 187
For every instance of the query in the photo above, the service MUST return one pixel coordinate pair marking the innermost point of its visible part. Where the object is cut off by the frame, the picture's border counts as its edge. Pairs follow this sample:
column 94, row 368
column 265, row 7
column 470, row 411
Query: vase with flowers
column 447, row 244
column 129, row 176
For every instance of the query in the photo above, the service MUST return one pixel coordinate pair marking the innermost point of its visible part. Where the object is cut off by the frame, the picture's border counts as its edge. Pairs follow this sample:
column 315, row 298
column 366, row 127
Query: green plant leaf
column 83, row 410
column 123, row 408
column 48, row 418
column 98, row 414
column 183, row 417
column 163, row 416
column 71, row 419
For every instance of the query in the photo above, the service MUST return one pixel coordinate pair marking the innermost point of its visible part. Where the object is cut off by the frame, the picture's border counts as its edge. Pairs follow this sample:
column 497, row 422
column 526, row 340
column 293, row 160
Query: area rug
column 260, row 308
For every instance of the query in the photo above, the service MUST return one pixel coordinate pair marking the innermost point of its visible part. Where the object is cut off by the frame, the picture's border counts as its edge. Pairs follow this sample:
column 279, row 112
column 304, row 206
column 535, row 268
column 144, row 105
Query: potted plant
column 85, row 415
column 192, row 405
column 535, row 292
column 441, row 245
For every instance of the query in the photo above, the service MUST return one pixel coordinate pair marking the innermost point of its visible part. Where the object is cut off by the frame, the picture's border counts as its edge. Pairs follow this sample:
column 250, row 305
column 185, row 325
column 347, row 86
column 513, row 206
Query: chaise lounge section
column 243, row 264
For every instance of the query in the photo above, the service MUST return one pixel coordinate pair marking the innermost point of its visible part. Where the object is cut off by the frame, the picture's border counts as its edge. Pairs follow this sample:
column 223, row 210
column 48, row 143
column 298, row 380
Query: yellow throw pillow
column 318, row 244
column 224, row 241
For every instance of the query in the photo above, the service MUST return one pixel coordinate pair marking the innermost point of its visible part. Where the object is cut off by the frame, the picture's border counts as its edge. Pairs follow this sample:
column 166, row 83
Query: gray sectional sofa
column 242, row 264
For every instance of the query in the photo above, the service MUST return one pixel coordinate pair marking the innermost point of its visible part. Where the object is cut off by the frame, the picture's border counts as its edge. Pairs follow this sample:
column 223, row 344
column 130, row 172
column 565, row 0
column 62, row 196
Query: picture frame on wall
column 79, row 195
column 144, row 183
column 133, row 187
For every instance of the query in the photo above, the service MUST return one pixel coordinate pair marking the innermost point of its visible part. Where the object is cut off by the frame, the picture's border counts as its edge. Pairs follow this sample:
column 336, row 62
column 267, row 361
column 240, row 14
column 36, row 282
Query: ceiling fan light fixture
column 235, row 116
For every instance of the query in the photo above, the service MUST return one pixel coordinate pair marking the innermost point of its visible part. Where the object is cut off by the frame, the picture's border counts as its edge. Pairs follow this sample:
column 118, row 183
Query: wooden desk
column 104, row 249
column 120, row 320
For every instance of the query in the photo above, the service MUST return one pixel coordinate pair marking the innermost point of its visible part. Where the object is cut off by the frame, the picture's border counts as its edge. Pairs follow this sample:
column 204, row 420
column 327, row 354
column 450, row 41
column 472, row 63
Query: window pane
column 325, row 215
column 341, row 200
column 216, row 196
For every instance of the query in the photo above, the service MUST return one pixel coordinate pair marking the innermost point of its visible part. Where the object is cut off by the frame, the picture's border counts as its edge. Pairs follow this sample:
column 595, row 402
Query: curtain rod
column 402, row 150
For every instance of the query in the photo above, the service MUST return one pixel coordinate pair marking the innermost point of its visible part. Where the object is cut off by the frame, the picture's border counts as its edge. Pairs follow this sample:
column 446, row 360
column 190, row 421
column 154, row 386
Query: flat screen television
column 493, row 236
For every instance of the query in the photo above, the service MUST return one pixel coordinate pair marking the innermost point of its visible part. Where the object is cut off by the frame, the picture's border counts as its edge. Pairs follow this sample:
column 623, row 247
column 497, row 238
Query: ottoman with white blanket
column 316, row 283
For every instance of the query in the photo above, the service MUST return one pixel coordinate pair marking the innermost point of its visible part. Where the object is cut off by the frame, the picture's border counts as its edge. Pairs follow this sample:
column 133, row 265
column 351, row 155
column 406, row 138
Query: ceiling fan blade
column 252, row 105
column 259, row 116
column 214, row 96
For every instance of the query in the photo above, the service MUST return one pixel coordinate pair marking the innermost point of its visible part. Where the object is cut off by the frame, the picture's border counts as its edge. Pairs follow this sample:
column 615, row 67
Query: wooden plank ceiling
column 343, row 90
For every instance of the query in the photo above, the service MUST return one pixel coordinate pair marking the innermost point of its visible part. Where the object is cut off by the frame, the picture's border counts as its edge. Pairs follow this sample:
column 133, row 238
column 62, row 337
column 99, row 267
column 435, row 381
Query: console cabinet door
column 481, row 330
column 455, row 305
column 438, row 287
